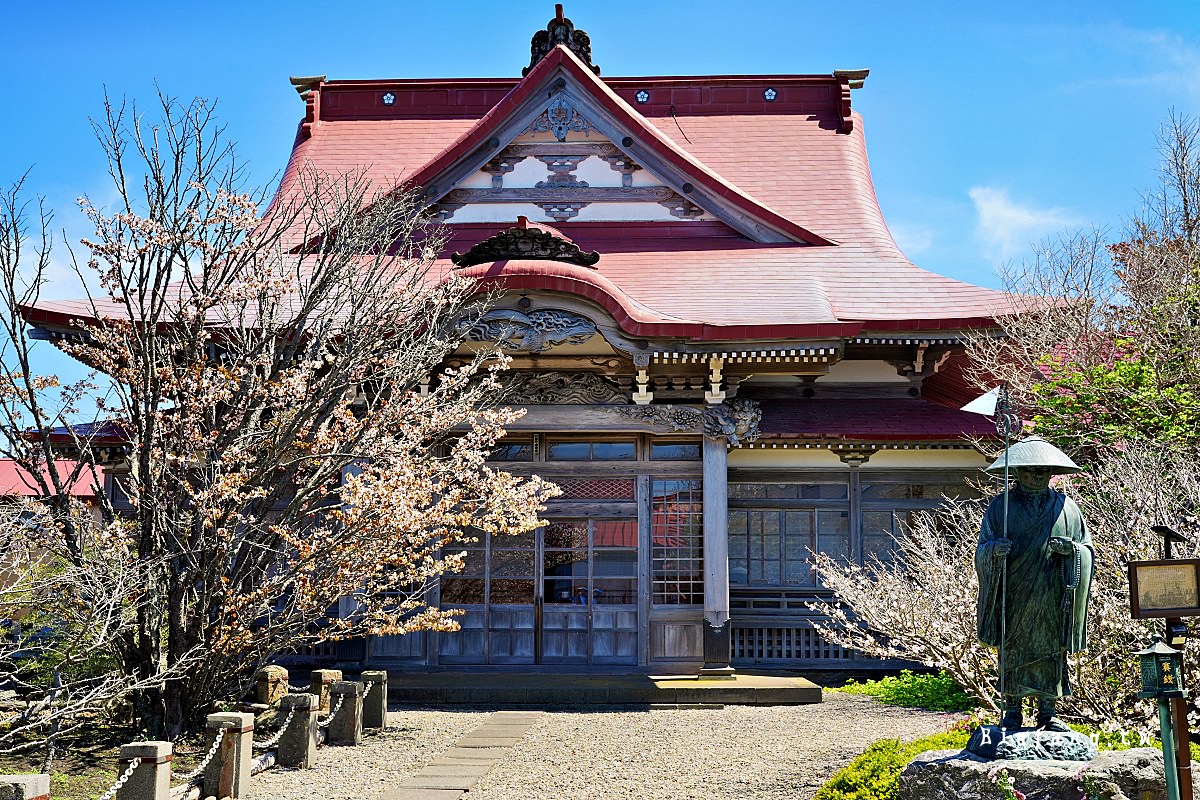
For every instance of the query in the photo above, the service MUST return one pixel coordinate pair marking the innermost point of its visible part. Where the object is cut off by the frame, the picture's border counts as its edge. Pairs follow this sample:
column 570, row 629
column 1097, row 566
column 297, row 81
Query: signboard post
column 1170, row 589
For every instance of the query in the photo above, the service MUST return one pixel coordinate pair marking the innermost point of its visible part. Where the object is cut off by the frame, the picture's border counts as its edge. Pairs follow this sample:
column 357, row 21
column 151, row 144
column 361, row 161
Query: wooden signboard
column 1164, row 588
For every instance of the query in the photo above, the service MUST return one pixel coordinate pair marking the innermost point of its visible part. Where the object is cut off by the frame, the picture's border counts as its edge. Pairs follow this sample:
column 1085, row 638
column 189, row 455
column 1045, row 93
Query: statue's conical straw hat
column 1034, row 451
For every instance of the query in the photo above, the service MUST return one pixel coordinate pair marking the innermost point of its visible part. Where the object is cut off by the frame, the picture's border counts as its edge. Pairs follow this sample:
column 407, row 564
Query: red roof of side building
column 17, row 482
column 907, row 419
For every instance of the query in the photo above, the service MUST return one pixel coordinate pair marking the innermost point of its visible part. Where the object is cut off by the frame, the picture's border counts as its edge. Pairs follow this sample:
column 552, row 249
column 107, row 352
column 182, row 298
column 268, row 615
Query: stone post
column 26, row 787
column 298, row 745
column 270, row 684
column 151, row 778
column 228, row 774
column 375, row 702
column 346, row 727
column 319, row 682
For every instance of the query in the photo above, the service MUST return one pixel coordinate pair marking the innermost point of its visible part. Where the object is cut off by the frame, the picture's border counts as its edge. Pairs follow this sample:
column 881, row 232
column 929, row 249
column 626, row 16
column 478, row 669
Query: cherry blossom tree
column 288, row 440
column 1101, row 357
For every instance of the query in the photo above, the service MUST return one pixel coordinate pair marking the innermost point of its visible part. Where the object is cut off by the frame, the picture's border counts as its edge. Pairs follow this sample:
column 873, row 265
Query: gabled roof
column 797, row 164
column 562, row 71
column 798, row 247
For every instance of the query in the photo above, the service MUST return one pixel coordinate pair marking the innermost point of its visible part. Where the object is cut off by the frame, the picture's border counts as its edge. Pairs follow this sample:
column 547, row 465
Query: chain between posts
column 325, row 722
column 212, row 751
column 295, row 688
column 121, row 781
column 367, row 689
column 274, row 740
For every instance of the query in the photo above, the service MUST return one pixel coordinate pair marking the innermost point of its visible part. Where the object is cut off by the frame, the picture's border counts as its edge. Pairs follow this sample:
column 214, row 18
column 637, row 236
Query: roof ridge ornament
column 528, row 242
column 560, row 30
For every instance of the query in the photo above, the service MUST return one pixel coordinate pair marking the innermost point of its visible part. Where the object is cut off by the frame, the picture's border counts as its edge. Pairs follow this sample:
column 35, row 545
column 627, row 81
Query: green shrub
column 875, row 775
column 934, row 692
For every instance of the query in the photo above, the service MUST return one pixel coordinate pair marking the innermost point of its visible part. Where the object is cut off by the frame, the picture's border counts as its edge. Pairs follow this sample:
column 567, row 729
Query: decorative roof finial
column 560, row 30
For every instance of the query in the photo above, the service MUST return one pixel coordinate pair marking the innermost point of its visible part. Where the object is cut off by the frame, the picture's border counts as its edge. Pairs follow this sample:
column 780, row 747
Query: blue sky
column 989, row 125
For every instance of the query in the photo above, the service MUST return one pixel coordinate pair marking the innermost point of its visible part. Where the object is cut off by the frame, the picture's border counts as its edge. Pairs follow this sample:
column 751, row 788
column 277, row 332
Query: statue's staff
column 998, row 404
column 1006, row 420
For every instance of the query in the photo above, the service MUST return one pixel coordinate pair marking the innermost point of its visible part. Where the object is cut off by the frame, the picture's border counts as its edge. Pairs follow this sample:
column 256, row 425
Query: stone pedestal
column 376, row 700
column 954, row 775
column 991, row 741
column 716, row 652
column 270, row 684
column 25, row 787
column 151, row 778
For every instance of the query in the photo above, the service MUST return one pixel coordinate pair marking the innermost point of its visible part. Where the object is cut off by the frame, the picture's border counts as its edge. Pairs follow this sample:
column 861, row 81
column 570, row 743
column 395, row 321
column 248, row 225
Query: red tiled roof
column 899, row 419
column 949, row 385
column 791, row 159
column 799, row 163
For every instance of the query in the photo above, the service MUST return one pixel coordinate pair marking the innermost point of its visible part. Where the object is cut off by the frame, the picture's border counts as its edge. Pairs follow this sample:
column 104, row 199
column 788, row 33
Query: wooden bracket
column 643, row 395
column 715, row 394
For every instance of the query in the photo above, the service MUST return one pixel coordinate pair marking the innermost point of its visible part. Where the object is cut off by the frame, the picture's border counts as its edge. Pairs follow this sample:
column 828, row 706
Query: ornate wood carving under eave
column 532, row 332
column 524, row 243
column 563, row 388
column 562, row 212
column 682, row 207
column 926, row 360
column 576, row 194
column 560, row 118
column 533, row 150
column 667, row 417
column 856, row 457
column 737, row 420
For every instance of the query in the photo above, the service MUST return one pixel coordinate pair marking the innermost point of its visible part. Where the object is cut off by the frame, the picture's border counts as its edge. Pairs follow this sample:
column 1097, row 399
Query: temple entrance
column 566, row 594
column 589, row 604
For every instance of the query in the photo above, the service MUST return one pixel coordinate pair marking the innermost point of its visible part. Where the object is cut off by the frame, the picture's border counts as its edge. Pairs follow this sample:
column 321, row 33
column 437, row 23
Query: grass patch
column 937, row 692
column 85, row 763
column 875, row 775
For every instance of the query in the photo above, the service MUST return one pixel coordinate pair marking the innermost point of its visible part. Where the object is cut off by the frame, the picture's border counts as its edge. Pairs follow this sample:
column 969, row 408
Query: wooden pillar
column 716, row 559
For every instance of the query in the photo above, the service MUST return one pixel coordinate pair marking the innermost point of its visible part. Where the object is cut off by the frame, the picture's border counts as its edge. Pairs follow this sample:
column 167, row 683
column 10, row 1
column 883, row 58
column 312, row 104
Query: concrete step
column 547, row 690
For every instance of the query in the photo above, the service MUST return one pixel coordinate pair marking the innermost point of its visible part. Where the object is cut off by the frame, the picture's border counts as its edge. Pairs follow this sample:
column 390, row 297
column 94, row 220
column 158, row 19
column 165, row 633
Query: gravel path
column 380, row 763
column 702, row 754
column 766, row 753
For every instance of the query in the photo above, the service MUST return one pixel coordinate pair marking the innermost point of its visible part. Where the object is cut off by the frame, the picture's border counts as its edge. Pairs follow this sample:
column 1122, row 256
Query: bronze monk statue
column 1048, row 559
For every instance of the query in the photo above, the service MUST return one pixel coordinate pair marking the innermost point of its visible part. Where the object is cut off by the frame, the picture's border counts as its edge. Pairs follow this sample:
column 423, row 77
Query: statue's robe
column 1045, row 619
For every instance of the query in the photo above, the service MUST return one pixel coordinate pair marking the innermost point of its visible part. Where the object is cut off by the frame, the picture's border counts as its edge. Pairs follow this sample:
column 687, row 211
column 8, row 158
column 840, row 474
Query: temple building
column 727, row 362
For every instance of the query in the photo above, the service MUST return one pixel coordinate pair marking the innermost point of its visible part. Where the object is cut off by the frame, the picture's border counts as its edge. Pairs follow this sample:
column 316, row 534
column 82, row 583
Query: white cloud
column 1168, row 62
column 913, row 239
column 1006, row 227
